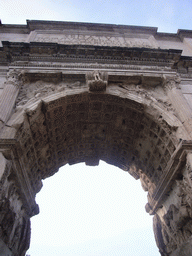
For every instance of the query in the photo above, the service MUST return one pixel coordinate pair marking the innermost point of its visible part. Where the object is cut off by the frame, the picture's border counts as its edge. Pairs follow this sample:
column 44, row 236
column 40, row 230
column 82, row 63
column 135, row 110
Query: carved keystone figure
column 97, row 81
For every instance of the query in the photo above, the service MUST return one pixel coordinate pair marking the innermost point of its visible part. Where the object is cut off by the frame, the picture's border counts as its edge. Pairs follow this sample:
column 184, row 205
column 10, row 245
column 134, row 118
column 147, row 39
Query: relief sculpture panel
column 31, row 91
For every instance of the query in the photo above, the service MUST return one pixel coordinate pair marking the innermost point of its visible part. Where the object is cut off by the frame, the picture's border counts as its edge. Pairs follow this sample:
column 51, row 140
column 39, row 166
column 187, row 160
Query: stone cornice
column 36, row 24
column 184, row 33
column 55, row 25
column 9, row 28
column 185, row 62
column 131, row 77
column 58, row 52
column 145, row 50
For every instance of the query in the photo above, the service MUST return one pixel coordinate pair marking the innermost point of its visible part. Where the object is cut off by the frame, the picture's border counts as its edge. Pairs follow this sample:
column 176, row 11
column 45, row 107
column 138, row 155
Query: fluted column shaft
column 9, row 95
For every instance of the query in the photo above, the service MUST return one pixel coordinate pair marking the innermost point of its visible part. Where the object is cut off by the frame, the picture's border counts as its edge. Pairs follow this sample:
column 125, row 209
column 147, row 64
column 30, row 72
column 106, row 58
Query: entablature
column 92, row 34
column 53, row 55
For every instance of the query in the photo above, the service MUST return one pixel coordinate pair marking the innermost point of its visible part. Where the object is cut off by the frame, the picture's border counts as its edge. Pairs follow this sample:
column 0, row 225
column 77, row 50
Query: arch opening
column 91, row 211
column 89, row 127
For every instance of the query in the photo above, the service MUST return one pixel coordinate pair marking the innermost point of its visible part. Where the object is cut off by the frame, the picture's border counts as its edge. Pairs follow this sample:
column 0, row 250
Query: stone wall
column 78, row 92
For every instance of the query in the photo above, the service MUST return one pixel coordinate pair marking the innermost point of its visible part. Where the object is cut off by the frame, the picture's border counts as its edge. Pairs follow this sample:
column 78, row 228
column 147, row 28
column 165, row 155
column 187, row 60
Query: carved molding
column 172, row 170
column 12, row 150
column 56, row 52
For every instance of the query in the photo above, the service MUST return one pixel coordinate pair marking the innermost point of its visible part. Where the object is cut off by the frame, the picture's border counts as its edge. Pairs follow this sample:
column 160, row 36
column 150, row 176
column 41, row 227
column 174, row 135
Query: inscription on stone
column 147, row 42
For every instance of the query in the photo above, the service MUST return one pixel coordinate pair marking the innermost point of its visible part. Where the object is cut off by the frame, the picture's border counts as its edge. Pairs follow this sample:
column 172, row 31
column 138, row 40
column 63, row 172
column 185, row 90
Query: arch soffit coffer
column 117, row 129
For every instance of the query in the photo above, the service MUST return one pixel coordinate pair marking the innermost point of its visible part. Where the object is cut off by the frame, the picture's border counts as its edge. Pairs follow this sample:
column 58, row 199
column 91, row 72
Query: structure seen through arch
column 75, row 92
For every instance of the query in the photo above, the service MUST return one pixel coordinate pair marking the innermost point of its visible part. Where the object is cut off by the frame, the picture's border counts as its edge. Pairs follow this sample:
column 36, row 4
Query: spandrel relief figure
column 32, row 91
column 185, row 189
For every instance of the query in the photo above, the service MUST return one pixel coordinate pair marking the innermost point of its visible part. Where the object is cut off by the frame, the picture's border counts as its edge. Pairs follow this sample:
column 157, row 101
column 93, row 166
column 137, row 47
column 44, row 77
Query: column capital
column 16, row 77
column 170, row 82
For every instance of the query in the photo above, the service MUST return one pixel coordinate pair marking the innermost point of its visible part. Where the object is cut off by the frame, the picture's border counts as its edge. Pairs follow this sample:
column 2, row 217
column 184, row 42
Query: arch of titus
column 80, row 92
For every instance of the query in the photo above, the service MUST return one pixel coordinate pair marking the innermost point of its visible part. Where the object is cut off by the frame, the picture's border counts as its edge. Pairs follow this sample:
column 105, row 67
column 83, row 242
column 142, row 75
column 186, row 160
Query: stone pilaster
column 9, row 94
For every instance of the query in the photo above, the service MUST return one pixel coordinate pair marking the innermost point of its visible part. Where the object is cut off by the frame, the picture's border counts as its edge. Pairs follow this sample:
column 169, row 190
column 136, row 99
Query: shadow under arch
column 88, row 127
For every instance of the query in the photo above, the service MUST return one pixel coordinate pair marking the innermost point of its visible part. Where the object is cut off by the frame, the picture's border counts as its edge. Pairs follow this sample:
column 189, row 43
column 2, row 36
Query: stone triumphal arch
column 80, row 92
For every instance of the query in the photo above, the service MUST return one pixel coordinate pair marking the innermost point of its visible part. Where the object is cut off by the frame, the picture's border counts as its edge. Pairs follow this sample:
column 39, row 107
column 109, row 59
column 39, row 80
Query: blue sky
column 168, row 16
column 95, row 211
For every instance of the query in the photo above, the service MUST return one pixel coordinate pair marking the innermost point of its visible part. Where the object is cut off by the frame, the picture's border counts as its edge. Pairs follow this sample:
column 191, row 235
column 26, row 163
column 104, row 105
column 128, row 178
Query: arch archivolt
column 126, row 120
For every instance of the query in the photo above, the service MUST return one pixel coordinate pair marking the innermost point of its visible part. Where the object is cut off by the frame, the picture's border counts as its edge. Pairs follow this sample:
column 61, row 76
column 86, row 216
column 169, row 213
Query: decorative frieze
column 144, row 41
column 51, row 52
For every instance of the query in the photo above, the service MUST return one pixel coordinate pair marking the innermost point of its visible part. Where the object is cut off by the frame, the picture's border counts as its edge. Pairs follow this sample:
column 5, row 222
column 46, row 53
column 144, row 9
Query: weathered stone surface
column 4, row 250
column 76, row 92
column 184, row 250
